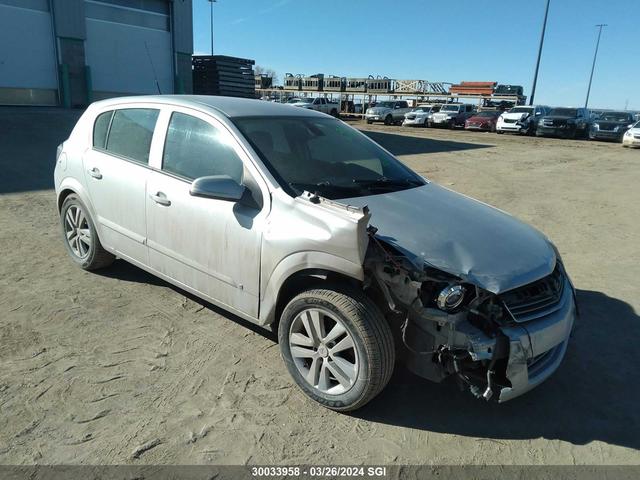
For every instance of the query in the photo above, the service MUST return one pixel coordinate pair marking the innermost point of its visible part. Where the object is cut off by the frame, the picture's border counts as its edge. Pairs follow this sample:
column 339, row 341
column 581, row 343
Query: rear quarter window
column 131, row 133
column 100, row 129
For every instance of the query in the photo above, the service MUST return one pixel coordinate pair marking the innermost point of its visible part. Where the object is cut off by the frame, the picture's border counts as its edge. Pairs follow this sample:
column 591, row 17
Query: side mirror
column 220, row 187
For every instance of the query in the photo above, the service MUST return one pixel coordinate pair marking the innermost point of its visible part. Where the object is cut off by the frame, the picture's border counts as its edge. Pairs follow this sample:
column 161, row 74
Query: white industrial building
column 72, row 52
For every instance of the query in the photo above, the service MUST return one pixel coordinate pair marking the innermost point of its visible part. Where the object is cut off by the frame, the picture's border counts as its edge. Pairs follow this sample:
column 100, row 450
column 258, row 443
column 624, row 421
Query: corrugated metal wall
column 84, row 50
column 129, row 49
column 28, row 67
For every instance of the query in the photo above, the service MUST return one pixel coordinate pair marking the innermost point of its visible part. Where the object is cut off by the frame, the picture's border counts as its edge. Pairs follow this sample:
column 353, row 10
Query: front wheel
column 337, row 346
column 388, row 120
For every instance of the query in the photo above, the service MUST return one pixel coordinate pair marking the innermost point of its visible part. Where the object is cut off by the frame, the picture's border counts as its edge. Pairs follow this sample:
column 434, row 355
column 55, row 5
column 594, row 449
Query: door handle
column 160, row 198
column 95, row 173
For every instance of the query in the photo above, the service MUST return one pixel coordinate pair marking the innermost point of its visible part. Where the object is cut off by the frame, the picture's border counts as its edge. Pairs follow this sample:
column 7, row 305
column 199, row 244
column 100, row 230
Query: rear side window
column 100, row 129
column 195, row 148
column 131, row 133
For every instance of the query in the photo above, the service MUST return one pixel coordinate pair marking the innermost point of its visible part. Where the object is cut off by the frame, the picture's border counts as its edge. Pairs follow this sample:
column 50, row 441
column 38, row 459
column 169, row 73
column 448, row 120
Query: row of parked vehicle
column 537, row 120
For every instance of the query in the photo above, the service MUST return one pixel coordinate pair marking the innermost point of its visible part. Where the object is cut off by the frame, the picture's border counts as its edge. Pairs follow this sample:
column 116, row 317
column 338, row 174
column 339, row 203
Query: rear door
column 208, row 245
column 116, row 171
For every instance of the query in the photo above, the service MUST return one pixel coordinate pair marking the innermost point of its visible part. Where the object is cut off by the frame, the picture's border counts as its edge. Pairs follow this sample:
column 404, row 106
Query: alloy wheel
column 77, row 231
column 323, row 351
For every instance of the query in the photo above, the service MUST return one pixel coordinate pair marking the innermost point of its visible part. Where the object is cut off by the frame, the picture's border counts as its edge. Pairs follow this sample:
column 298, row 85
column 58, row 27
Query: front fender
column 295, row 263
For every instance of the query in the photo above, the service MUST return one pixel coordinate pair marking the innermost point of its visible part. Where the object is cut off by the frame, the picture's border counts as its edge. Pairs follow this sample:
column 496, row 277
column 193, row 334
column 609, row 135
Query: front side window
column 101, row 128
column 324, row 155
column 194, row 148
column 131, row 133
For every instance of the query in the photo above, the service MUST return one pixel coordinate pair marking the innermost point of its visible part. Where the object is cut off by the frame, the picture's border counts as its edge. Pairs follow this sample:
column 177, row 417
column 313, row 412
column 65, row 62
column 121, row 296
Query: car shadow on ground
column 125, row 271
column 593, row 396
column 402, row 143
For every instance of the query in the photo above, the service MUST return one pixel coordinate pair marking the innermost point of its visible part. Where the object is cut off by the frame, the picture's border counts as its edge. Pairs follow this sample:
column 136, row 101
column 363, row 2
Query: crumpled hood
column 461, row 236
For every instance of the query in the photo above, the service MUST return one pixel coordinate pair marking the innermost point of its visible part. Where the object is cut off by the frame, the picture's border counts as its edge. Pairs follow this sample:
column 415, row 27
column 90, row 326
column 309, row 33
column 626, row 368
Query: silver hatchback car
column 292, row 219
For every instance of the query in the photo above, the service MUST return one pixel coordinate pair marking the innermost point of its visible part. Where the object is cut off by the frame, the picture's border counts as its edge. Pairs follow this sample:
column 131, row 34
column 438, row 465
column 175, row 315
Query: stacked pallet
column 223, row 75
column 473, row 88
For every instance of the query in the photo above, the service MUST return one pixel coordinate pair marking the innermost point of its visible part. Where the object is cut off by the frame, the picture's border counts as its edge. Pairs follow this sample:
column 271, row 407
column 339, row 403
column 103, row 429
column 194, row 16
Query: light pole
column 211, row 2
column 535, row 75
column 593, row 66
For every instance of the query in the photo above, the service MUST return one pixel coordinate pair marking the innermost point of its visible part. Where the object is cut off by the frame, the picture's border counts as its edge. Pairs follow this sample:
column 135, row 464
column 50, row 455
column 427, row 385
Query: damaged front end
column 498, row 345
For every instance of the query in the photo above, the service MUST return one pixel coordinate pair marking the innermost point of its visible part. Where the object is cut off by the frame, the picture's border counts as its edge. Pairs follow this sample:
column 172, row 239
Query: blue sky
column 493, row 40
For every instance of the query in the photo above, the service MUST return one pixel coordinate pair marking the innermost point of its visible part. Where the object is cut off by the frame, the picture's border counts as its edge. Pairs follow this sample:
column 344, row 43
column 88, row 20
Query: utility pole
column 211, row 2
column 535, row 75
column 593, row 67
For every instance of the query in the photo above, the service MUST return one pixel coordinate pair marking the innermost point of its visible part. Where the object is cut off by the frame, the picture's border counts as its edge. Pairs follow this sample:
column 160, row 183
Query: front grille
column 536, row 299
column 510, row 120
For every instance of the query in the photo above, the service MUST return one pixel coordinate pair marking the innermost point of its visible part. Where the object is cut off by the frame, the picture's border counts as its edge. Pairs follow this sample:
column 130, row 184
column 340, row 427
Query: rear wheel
column 337, row 346
column 80, row 235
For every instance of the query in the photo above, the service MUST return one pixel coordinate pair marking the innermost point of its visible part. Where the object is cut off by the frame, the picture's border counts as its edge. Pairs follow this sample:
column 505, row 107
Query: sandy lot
column 95, row 365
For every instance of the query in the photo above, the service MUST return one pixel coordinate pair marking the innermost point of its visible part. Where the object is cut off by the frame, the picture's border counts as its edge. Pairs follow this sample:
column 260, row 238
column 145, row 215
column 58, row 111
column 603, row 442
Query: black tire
column 372, row 338
column 369, row 122
column 334, row 113
column 388, row 120
column 425, row 124
column 499, row 132
column 96, row 257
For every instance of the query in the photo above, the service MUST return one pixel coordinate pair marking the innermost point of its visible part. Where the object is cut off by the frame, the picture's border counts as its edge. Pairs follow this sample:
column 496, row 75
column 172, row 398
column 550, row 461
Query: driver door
column 210, row 246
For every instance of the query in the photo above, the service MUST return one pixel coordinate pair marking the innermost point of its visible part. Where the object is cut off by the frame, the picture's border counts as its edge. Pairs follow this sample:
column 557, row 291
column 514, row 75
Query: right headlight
column 451, row 297
column 541, row 122
column 596, row 126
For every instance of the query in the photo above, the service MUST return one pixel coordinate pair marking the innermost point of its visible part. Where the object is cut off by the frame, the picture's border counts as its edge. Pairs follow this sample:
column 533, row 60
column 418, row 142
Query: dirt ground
column 95, row 365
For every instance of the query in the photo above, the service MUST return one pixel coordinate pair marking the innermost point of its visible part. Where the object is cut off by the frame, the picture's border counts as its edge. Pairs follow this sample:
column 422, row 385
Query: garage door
column 28, row 73
column 128, row 47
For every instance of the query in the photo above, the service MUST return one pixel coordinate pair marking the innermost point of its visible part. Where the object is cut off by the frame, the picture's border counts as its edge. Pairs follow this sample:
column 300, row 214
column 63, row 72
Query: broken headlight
column 451, row 297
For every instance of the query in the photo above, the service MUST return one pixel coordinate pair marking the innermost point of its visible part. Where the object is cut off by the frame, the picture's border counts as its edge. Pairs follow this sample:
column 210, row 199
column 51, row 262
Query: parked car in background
column 389, row 111
column 297, row 100
column 289, row 218
column 319, row 104
column 452, row 115
column 631, row 137
column 565, row 122
column 420, row 115
column 611, row 126
column 484, row 121
column 521, row 119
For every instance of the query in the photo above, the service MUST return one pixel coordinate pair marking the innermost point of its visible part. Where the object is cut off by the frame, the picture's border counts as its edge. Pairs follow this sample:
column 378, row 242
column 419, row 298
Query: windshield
column 616, row 117
column 450, row 108
column 324, row 155
column 521, row 110
column 300, row 100
column 384, row 104
column 422, row 109
column 564, row 112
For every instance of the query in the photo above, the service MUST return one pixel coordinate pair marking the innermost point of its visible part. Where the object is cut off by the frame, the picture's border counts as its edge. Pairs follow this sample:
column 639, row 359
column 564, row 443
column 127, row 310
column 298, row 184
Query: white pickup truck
column 319, row 104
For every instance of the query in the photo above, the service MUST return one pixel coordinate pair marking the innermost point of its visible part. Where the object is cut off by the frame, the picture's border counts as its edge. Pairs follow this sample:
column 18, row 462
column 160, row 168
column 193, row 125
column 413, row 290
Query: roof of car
column 229, row 106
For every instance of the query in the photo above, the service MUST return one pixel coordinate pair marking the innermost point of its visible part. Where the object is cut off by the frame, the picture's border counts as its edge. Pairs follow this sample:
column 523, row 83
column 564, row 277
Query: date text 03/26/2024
column 320, row 471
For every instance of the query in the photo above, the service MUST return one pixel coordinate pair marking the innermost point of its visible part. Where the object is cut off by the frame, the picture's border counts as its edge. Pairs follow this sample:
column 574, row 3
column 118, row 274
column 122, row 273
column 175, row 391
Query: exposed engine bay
column 450, row 327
